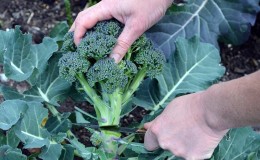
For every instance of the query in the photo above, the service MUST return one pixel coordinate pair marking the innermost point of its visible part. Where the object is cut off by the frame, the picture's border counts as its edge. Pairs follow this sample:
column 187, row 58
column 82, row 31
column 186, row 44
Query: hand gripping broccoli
column 109, row 86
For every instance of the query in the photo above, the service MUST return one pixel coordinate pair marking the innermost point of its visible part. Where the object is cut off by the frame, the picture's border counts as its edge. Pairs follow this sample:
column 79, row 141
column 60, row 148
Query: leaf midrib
column 179, row 82
column 186, row 23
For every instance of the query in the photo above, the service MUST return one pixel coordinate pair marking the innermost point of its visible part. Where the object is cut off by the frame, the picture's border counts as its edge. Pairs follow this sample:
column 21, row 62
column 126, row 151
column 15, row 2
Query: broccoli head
column 110, row 27
column 108, row 85
column 71, row 64
column 68, row 42
column 152, row 60
column 108, row 74
column 96, row 45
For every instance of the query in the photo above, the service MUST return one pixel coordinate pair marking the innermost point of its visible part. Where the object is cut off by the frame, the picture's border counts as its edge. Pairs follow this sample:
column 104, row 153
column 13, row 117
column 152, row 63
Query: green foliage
column 191, row 66
column 96, row 138
column 68, row 12
column 211, row 20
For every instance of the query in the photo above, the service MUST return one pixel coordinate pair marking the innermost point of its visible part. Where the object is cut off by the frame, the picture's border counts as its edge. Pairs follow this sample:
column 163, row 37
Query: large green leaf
column 238, row 144
column 26, row 117
column 58, row 124
column 8, row 153
column 9, row 139
column 209, row 19
column 21, row 57
column 67, row 153
column 51, row 152
column 49, row 87
column 58, row 32
column 193, row 68
column 85, row 152
column 29, row 128
column 10, row 113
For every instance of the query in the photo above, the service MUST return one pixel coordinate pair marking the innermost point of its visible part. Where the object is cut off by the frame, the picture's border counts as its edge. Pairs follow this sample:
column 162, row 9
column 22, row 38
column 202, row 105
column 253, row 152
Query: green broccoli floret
column 71, row 64
column 108, row 74
column 110, row 27
column 96, row 45
column 142, row 43
column 150, row 59
column 68, row 42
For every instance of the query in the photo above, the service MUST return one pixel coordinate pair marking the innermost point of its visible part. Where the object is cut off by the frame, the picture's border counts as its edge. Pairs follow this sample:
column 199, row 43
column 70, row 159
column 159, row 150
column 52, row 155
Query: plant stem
column 68, row 12
column 133, row 86
column 110, row 144
column 102, row 109
column 52, row 109
column 115, row 104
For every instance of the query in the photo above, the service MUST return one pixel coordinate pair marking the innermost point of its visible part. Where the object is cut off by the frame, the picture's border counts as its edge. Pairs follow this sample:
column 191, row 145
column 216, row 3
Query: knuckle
column 163, row 144
column 155, row 130
column 79, row 21
column 178, row 151
column 138, row 26
column 80, row 14
column 123, row 45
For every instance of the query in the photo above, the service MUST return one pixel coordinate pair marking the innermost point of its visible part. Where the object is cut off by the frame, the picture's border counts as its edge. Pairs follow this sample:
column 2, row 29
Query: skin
column 194, row 124
column 191, row 126
column 135, row 14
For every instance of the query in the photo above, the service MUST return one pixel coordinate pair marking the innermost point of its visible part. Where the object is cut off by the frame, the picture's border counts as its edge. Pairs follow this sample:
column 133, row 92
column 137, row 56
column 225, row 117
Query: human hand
column 137, row 15
column 183, row 130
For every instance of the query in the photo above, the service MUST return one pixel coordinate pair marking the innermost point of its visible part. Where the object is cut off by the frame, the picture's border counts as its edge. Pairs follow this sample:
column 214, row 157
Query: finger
column 150, row 141
column 72, row 28
column 130, row 33
column 88, row 19
column 148, row 125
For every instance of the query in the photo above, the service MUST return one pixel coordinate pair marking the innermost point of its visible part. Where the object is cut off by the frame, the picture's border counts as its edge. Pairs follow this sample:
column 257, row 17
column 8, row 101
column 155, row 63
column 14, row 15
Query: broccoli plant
column 109, row 86
column 57, row 69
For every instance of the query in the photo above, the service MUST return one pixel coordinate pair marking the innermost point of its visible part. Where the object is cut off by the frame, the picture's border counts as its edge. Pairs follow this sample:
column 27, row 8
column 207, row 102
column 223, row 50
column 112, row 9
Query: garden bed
column 39, row 17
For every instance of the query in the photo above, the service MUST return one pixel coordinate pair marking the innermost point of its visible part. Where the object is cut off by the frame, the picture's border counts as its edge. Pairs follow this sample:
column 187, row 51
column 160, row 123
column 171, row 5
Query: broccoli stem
column 128, row 54
column 101, row 108
column 110, row 144
column 134, row 85
column 115, row 103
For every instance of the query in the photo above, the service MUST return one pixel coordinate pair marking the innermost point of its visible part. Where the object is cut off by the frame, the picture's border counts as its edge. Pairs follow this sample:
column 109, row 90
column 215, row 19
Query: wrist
column 209, row 121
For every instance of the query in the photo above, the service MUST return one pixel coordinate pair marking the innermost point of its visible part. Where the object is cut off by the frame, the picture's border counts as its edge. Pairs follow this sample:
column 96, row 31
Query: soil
column 39, row 16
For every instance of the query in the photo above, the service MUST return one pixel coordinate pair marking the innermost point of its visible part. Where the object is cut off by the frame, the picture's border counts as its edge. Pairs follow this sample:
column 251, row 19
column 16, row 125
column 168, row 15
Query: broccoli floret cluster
column 96, row 45
column 72, row 64
column 108, row 74
column 109, row 85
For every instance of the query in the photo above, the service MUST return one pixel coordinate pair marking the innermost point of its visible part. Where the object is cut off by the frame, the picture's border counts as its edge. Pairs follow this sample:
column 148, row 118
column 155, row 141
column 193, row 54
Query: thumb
column 148, row 125
column 150, row 141
column 125, row 40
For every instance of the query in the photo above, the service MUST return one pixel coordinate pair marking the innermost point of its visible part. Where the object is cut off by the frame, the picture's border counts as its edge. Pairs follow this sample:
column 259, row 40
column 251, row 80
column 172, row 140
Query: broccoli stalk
column 108, row 85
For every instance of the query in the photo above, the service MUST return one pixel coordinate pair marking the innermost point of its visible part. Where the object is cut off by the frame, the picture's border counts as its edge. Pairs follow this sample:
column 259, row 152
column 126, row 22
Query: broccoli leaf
column 29, row 129
column 58, row 124
column 8, row 153
column 85, row 152
column 67, row 153
column 21, row 57
column 49, row 87
column 58, row 32
column 10, row 113
column 9, row 139
column 51, row 152
column 238, row 144
column 193, row 68
column 209, row 19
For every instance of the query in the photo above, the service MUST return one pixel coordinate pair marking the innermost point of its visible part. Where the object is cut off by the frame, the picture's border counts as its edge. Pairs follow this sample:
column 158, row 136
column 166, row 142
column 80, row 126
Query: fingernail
column 116, row 57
